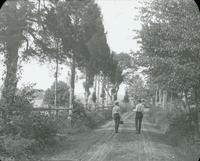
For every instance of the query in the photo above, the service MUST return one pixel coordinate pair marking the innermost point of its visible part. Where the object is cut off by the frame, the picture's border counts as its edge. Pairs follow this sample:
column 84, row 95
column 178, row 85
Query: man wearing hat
column 139, row 115
column 116, row 115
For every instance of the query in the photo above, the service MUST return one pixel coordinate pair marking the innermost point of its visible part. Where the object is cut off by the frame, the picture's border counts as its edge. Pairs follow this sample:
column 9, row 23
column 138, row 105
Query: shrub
column 39, row 128
column 180, row 127
column 25, row 133
column 124, row 106
column 43, row 128
column 160, row 117
column 176, row 124
column 90, row 119
column 96, row 118
column 19, row 112
column 17, row 147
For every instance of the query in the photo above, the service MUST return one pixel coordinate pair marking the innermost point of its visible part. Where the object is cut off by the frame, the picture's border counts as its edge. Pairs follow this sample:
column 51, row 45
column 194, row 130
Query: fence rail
column 61, row 108
column 50, row 109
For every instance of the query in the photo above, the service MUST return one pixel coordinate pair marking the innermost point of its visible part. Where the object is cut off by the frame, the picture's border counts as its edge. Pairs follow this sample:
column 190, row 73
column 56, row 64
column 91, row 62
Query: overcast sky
column 118, row 19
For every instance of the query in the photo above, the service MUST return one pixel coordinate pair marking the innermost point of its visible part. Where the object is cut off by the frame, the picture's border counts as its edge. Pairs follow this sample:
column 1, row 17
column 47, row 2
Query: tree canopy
column 169, row 41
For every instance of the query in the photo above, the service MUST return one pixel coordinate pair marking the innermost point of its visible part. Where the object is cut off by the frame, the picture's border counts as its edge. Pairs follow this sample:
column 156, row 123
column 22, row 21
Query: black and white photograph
column 99, row 80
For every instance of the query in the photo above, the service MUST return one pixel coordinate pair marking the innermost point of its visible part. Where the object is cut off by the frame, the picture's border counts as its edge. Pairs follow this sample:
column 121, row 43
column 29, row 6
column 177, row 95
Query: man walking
column 138, row 116
column 116, row 115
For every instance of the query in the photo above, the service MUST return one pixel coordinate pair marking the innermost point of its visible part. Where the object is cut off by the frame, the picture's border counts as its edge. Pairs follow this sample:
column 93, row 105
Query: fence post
column 49, row 109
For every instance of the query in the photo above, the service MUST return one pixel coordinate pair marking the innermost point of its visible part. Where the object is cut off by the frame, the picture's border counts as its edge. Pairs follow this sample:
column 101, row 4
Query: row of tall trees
column 62, row 32
column 170, row 48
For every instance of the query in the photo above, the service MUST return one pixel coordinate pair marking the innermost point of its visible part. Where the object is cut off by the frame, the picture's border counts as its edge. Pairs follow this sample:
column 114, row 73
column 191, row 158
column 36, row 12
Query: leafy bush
column 180, row 127
column 175, row 123
column 90, row 119
column 20, row 109
column 43, row 128
column 17, row 147
column 96, row 118
column 24, row 101
column 25, row 133
column 160, row 117
column 80, row 116
column 125, row 106
column 25, row 138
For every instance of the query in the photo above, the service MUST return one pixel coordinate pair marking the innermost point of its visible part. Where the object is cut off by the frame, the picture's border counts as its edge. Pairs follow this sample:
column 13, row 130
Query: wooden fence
column 50, row 110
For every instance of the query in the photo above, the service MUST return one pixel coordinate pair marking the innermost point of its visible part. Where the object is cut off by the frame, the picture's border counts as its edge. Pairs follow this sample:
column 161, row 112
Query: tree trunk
column 171, row 101
column 107, row 89
column 10, row 82
column 55, row 86
column 116, row 93
column 103, row 92
column 164, row 102
column 72, row 86
column 98, row 88
column 95, row 83
column 108, row 94
column 156, row 97
column 56, row 82
column 196, row 95
column 186, row 102
column 86, row 89
column 160, row 97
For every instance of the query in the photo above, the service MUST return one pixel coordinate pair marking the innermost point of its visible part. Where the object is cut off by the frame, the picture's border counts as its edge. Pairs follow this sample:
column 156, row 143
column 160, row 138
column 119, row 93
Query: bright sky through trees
column 119, row 21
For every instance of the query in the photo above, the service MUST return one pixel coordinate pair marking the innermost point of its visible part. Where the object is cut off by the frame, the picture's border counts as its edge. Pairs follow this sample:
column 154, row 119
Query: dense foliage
column 169, row 41
column 62, row 94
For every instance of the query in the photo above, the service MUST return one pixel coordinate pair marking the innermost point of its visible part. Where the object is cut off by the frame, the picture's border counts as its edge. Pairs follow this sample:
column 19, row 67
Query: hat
column 116, row 102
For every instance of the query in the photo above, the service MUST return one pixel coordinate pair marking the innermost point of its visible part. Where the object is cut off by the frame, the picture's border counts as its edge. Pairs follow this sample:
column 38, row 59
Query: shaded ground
column 103, row 144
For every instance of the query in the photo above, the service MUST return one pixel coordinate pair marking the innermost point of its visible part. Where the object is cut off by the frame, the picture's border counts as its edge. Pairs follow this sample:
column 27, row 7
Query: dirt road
column 103, row 144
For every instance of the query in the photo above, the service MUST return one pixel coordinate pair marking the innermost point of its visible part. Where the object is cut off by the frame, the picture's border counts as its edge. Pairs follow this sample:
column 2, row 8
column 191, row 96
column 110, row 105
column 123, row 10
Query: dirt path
column 104, row 145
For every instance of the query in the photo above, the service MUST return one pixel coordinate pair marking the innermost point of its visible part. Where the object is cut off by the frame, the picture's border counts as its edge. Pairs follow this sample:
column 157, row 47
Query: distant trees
column 122, row 65
column 62, row 94
column 136, row 86
column 126, row 97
